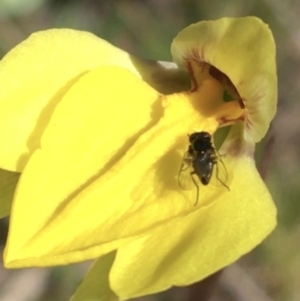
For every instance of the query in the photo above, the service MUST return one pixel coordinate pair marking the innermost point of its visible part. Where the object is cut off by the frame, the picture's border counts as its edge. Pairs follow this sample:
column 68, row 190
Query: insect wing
column 185, row 181
column 220, row 175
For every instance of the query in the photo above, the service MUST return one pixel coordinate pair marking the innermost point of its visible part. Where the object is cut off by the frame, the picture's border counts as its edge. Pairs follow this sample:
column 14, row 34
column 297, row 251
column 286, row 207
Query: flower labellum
column 99, row 138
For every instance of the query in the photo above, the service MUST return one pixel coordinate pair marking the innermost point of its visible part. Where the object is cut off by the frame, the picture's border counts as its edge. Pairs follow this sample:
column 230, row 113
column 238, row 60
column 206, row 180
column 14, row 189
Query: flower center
column 214, row 96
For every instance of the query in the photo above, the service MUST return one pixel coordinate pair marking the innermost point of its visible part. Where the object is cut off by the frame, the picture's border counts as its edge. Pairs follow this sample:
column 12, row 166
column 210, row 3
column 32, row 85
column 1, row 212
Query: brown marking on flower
column 253, row 106
column 195, row 67
column 194, row 84
column 241, row 103
column 195, row 54
column 254, row 102
column 248, row 123
column 216, row 73
column 224, row 121
column 252, row 110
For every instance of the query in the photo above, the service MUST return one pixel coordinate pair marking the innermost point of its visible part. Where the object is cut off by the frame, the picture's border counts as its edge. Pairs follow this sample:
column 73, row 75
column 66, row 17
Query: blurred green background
column 146, row 29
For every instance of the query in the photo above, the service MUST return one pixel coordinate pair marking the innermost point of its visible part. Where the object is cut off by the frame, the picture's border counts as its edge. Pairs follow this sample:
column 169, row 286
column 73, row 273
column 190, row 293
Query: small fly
column 202, row 157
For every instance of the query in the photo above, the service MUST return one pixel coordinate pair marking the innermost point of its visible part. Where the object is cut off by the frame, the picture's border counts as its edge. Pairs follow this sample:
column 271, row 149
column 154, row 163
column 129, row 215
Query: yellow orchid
column 99, row 136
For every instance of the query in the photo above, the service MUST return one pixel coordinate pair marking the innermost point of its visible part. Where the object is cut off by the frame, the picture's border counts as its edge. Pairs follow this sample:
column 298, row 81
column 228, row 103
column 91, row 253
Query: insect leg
column 197, row 187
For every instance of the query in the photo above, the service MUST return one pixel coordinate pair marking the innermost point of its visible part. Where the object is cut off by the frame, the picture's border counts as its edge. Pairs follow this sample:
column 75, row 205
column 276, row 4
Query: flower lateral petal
column 189, row 249
column 244, row 50
column 91, row 128
column 33, row 82
column 37, row 73
column 104, row 162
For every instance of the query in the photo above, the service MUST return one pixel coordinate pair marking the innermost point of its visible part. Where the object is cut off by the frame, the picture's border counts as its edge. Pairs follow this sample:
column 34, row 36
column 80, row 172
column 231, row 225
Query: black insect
column 202, row 157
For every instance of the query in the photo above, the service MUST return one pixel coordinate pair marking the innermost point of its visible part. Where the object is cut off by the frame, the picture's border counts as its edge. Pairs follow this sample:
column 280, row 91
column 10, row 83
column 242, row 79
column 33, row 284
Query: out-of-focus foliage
column 19, row 7
column 146, row 28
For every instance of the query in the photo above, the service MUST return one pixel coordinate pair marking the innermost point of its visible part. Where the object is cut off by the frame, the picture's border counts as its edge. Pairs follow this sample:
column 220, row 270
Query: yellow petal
column 188, row 249
column 90, row 130
column 96, row 285
column 108, row 163
column 8, row 182
column 37, row 73
column 243, row 49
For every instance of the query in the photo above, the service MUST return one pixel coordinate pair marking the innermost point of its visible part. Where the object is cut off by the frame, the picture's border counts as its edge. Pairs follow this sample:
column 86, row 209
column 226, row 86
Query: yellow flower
column 99, row 136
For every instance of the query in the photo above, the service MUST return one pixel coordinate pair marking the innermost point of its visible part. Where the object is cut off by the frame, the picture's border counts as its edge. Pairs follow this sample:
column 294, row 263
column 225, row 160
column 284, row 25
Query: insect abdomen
column 203, row 168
